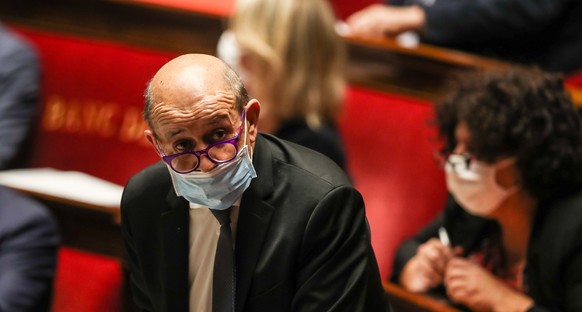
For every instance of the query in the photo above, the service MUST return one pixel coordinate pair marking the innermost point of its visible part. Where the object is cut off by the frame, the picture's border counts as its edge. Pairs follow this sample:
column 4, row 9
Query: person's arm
column 447, row 21
column 481, row 20
column 19, row 86
column 378, row 20
column 28, row 256
column 337, row 268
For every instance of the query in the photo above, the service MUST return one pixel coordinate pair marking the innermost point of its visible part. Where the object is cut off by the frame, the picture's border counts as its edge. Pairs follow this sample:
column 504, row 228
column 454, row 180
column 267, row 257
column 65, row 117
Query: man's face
column 193, row 105
column 185, row 123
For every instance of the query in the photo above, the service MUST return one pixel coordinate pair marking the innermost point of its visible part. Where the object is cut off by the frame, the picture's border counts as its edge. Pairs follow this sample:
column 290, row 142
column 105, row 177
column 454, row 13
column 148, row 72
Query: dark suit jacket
column 545, row 32
column 28, row 254
column 302, row 240
column 553, row 275
column 19, row 86
column 326, row 139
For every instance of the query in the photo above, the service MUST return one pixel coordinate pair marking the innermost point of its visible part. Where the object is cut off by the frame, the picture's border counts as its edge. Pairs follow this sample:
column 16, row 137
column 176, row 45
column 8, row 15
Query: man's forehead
column 191, row 72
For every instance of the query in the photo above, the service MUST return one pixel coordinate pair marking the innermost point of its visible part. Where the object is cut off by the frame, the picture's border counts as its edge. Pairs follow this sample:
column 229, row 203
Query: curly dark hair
column 520, row 112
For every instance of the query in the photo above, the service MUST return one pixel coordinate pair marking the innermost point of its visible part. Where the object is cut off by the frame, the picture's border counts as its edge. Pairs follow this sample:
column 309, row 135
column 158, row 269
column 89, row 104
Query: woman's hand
column 427, row 268
column 469, row 284
column 378, row 20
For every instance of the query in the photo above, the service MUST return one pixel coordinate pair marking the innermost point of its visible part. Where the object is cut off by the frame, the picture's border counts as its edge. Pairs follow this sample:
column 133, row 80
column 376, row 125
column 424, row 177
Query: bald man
column 301, row 240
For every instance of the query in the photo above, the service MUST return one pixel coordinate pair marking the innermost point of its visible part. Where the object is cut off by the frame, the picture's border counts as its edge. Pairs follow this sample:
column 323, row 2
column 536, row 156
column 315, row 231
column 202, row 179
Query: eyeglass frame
column 234, row 140
column 443, row 158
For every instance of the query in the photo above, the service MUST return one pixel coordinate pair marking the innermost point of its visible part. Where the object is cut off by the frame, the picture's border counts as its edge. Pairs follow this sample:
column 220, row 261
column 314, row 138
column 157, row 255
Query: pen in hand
column 444, row 237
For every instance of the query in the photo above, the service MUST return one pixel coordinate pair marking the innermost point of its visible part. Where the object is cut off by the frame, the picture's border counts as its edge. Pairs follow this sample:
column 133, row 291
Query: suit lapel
column 253, row 222
column 175, row 229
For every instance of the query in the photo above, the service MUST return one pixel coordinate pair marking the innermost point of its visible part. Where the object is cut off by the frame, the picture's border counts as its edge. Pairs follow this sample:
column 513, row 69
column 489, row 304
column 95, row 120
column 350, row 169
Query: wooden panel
column 163, row 28
column 402, row 300
column 85, row 226
column 420, row 72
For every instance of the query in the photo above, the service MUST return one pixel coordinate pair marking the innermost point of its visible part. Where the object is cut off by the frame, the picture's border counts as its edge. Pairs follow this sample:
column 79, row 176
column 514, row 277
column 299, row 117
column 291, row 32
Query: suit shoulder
column 18, row 210
column 16, row 49
column 147, row 183
column 300, row 161
column 151, row 176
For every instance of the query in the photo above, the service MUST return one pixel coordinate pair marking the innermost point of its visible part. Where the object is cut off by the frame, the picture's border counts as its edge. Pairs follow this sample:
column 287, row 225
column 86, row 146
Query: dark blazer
column 546, row 33
column 19, row 104
column 553, row 274
column 28, row 254
column 325, row 139
column 302, row 243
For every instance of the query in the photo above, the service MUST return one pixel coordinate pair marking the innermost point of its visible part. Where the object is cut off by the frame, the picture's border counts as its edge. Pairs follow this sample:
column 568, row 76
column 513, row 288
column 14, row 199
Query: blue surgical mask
column 219, row 188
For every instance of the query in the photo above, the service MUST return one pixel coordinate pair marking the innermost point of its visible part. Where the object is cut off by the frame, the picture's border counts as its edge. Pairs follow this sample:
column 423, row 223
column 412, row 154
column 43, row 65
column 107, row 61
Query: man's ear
column 152, row 139
column 253, row 108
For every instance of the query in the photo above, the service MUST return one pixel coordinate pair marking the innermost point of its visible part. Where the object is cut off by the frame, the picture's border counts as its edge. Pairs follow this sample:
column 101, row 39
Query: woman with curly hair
column 513, row 162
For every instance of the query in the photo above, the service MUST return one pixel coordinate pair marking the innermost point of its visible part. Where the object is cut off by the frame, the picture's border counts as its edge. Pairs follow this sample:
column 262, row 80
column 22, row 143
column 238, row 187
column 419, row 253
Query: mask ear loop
column 245, row 128
column 245, row 135
column 159, row 149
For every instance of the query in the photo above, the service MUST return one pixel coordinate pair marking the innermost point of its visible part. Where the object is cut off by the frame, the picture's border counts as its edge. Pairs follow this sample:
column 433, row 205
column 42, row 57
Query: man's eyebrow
column 174, row 133
column 218, row 120
column 222, row 121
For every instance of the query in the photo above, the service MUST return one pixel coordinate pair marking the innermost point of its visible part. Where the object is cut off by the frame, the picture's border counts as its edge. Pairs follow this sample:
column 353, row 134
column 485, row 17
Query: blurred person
column 29, row 241
column 297, row 224
column 544, row 33
column 291, row 59
column 19, row 92
column 513, row 162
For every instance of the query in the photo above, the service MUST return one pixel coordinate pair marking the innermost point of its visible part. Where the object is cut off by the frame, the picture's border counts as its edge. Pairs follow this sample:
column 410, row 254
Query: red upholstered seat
column 91, row 105
column 574, row 79
column 389, row 145
column 344, row 8
column 87, row 282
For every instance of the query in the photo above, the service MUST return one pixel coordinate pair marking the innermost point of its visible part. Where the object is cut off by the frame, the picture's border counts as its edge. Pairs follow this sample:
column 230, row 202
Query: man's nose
column 206, row 164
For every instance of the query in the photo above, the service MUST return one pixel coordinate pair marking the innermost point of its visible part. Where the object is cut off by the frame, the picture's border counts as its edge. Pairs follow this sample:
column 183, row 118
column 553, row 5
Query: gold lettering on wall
column 54, row 115
column 93, row 117
column 133, row 126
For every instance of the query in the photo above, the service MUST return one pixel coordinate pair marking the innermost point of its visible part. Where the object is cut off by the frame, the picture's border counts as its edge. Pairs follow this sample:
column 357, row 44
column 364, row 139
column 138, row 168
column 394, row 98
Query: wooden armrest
column 406, row 301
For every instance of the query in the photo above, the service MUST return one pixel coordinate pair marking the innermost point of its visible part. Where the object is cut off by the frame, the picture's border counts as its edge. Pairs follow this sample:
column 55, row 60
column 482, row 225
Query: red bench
column 390, row 145
column 87, row 282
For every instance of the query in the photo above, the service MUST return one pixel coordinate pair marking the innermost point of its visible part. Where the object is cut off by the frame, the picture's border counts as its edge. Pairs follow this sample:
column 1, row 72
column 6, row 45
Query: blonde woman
column 290, row 58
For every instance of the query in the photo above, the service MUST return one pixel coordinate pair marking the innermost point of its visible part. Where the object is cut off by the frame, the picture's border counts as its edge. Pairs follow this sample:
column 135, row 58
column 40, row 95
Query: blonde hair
column 300, row 57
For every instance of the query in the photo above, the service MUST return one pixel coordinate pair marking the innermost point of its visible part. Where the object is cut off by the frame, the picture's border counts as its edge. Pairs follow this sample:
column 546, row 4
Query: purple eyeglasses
column 219, row 153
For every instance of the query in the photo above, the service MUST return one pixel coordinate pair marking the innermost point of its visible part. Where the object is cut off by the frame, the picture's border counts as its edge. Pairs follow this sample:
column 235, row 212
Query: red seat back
column 92, row 98
column 87, row 282
column 390, row 145
column 574, row 79
column 345, row 8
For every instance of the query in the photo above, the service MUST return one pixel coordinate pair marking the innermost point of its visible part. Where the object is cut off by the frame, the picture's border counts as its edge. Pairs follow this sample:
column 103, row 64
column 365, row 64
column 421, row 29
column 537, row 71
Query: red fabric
column 345, row 8
column 574, row 79
column 220, row 7
column 92, row 98
column 87, row 282
column 389, row 147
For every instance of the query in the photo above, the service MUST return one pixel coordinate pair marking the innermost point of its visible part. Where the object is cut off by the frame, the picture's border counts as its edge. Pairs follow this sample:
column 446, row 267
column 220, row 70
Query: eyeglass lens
column 218, row 153
column 463, row 161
